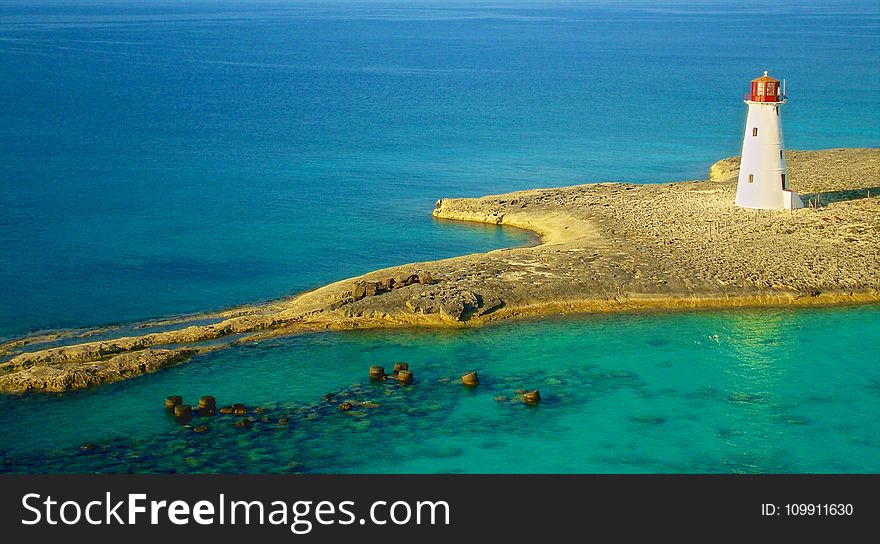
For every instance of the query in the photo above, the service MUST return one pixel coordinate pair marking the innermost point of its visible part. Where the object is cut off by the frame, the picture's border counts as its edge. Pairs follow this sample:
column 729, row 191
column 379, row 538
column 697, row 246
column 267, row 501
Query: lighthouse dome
column 765, row 89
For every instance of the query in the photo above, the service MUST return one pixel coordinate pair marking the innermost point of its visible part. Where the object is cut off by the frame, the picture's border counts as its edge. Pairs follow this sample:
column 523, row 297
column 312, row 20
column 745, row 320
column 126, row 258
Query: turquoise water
column 158, row 159
column 747, row 391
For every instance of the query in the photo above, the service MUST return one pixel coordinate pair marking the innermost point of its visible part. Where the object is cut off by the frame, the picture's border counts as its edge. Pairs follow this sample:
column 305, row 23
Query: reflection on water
column 761, row 344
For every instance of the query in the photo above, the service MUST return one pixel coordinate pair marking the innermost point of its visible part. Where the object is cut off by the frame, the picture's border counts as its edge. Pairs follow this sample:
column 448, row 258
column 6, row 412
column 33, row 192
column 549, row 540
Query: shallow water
column 741, row 391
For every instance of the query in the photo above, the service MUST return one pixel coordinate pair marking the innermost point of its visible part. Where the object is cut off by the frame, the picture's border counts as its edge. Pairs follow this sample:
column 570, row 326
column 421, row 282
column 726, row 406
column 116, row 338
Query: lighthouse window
column 783, row 181
column 755, row 131
column 780, row 154
column 751, row 178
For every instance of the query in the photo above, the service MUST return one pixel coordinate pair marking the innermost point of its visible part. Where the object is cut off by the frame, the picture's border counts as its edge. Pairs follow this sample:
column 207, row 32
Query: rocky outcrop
column 604, row 247
column 64, row 376
column 361, row 289
column 450, row 304
column 725, row 170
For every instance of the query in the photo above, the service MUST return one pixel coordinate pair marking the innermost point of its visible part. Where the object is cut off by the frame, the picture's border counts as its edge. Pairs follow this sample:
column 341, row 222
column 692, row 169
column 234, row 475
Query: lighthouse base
column 791, row 200
column 784, row 199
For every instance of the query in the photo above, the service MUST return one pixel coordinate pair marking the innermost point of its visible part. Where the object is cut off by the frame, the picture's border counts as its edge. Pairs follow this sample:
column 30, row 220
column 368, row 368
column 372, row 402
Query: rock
column 183, row 413
column 456, row 306
column 345, row 406
column 227, row 410
column 425, row 278
column 57, row 374
column 207, row 405
column 405, row 377
column 386, row 284
column 243, row 423
column 369, row 405
column 329, row 397
column 403, row 280
column 400, row 366
column 87, row 447
column 532, row 397
column 489, row 306
column 423, row 305
column 470, row 379
column 359, row 290
column 172, row 401
column 200, row 428
column 371, row 289
column 283, row 420
column 452, row 309
column 377, row 373
column 239, row 409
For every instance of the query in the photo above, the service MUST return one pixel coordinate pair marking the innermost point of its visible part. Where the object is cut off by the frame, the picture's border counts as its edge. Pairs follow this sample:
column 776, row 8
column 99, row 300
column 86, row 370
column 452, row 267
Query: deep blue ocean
column 165, row 158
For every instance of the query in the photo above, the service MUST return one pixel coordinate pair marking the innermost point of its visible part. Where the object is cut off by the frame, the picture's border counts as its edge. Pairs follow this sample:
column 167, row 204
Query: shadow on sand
column 828, row 197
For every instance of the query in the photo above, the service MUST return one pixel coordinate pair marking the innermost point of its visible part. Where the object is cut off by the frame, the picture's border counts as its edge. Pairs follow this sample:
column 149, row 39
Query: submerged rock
column 648, row 420
column 243, row 423
column 377, row 373
column 207, row 405
column 532, row 397
column 183, row 413
column 405, row 377
column 470, row 379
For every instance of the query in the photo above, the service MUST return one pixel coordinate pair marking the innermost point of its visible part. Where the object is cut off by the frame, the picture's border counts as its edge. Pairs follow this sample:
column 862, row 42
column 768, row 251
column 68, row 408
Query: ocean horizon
column 162, row 159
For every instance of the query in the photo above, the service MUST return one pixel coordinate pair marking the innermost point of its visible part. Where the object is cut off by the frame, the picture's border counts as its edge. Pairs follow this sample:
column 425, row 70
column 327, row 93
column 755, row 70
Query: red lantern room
column 765, row 89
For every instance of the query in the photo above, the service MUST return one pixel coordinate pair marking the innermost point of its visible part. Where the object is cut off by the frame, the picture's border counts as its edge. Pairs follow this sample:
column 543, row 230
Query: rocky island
column 604, row 247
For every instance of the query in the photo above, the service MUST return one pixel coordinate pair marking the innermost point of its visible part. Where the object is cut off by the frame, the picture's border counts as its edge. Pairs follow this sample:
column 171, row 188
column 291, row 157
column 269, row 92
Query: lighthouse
column 763, row 183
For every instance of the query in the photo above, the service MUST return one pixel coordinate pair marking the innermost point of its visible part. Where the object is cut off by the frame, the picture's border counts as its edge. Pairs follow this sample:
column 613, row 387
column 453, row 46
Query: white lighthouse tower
column 762, row 173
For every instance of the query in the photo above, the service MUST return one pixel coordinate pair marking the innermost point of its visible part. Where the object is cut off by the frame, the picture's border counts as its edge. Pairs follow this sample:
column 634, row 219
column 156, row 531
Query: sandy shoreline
column 605, row 247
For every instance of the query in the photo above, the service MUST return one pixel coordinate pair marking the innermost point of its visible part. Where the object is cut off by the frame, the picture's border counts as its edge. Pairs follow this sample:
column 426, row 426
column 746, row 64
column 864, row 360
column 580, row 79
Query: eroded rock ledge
column 606, row 247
